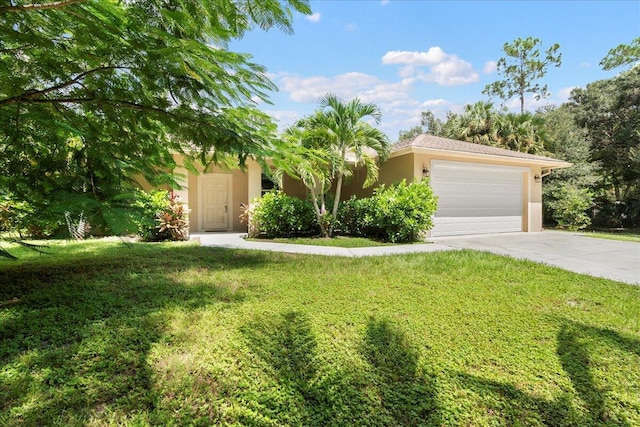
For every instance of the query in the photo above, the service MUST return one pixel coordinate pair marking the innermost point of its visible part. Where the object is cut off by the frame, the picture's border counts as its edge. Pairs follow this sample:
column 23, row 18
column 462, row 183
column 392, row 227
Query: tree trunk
column 336, row 200
column 318, row 212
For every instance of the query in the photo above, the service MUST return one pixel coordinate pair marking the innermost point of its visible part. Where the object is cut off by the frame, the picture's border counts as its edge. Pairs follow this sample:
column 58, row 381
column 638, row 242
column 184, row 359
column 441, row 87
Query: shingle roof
column 439, row 143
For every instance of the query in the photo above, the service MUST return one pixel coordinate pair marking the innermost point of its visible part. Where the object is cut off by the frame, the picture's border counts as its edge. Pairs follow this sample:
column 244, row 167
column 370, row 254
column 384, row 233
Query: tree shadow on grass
column 388, row 390
column 289, row 348
column 512, row 406
column 575, row 354
column 575, row 360
column 407, row 397
column 75, row 335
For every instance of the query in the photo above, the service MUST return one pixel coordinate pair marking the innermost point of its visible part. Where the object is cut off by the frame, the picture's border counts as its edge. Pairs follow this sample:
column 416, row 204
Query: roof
column 432, row 142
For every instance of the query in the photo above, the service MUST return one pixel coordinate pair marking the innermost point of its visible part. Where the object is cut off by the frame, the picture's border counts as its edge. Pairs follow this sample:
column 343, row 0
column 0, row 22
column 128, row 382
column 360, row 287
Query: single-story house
column 480, row 189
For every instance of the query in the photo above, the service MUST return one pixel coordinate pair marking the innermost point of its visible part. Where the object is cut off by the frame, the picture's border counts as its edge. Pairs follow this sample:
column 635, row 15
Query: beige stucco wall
column 245, row 185
column 294, row 187
column 410, row 165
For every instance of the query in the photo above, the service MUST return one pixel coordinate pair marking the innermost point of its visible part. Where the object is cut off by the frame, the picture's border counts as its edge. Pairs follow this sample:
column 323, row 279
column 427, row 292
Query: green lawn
column 627, row 236
column 175, row 334
column 337, row 241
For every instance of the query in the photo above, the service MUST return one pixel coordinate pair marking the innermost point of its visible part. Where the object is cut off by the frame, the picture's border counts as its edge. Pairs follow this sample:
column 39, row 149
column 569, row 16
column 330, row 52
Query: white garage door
column 475, row 198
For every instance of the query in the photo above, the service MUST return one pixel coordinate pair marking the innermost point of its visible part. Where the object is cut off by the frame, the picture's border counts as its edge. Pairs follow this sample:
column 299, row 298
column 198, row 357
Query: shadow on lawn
column 577, row 344
column 76, row 334
column 390, row 390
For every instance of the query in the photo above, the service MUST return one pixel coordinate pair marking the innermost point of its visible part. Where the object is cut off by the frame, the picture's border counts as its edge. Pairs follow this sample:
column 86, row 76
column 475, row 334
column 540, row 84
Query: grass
column 625, row 236
column 107, row 333
column 337, row 241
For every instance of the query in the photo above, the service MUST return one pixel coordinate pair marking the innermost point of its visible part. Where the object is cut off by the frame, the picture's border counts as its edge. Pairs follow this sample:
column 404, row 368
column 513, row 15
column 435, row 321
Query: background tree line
column 598, row 130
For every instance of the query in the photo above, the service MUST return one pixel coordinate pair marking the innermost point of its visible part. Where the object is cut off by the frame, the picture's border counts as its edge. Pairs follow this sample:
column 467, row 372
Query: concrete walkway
column 611, row 259
column 237, row 241
column 576, row 252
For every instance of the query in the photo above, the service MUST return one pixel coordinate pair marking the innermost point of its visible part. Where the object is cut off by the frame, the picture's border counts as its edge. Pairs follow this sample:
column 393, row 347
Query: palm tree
column 520, row 132
column 339, row 130
column 343, row 126
column 475, row 125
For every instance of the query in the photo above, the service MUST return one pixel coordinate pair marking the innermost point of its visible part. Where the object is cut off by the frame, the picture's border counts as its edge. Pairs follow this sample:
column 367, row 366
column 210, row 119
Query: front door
column 216, row 193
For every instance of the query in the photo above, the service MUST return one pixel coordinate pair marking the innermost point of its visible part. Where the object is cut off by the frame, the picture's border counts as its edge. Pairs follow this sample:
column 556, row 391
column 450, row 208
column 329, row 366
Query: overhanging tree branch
column 40, row 6
column 32, row 95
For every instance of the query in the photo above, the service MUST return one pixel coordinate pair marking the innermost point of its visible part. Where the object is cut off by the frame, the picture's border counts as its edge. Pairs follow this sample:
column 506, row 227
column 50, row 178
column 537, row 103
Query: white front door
column 216, row 194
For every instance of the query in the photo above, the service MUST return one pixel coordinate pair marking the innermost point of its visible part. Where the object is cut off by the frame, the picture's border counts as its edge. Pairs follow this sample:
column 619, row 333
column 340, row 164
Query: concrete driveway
column 610, row 259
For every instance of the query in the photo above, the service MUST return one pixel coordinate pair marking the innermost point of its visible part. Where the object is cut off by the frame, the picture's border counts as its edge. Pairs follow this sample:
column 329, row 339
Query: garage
column 476, row 198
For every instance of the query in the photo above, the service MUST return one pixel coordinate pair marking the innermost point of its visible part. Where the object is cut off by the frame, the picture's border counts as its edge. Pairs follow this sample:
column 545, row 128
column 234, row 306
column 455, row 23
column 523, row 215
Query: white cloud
column 431, row 57
column 284, row 115
column 314, row 17
column 311, row 89
column 584, row 65
column 384, row 2
column 452, row 72
column 564, row 93
column 434, row 103
column 442, row 68
column 490, row 67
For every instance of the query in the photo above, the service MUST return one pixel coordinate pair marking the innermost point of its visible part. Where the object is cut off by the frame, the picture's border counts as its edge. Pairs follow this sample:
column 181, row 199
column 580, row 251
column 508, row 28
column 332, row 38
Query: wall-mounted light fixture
column 537, row 178
column 425, row 171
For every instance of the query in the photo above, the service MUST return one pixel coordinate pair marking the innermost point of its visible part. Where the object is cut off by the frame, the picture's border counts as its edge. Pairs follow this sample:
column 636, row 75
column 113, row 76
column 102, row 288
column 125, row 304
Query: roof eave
column 545, row 163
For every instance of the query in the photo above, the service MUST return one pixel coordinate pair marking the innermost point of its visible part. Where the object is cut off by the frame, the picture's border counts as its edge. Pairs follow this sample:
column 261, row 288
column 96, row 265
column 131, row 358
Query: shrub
column 174, row 219
column 404, row 212
column 279, row 215
column 569, row 206
column 356, row 217
column 398, row 213
column 26, row 219
column 159, row 215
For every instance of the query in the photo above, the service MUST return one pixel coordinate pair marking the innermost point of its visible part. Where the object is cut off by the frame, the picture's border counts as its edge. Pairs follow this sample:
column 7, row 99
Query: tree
column 480, row 123
column 429, row 124
column 95, row 93
column 622, row 55
column 339, row 133
column 476, row 124
column 521, row 68
column 520, row 132
column 609, row 110
column 568, row 193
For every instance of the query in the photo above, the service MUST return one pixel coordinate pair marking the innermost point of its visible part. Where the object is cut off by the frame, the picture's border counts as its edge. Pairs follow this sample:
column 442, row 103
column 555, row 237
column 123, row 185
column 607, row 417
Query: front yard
column 107, row 333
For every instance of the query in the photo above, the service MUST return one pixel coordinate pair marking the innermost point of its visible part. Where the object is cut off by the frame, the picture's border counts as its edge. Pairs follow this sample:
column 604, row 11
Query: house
column 481, row 189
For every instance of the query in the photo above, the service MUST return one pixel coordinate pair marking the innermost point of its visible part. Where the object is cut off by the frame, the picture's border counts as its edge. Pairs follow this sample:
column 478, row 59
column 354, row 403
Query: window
column 268, row 184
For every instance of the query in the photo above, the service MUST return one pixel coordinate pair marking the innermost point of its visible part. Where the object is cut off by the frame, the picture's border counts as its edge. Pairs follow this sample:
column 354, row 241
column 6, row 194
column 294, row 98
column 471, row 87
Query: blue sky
column 409, row 56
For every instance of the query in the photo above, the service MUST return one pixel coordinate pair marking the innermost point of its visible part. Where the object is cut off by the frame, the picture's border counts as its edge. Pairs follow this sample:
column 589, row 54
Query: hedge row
column 398, row 213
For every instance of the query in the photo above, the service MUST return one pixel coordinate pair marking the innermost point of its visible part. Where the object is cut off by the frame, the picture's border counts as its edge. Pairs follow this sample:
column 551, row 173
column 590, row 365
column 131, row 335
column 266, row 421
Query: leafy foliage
column 569, row 205
column 357, row 217
column 404, row 211
column 333, row 135
column 481, row 123
column 521, row 68
column 622, row 54
column 398, row 213
column 567, row 141
column 429, row 124
column 96, row 93
column 159, row 215
column 174, row 220
column 609, row 110
column 277, row 215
